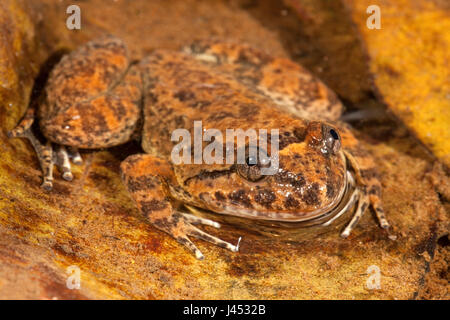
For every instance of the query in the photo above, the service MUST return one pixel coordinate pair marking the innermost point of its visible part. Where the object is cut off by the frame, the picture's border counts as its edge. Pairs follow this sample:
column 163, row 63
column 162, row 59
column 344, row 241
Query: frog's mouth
column 327, row 217
column 323, row 217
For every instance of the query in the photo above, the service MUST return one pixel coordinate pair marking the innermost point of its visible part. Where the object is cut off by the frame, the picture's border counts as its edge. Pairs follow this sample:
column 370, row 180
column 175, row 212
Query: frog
column 98, row 97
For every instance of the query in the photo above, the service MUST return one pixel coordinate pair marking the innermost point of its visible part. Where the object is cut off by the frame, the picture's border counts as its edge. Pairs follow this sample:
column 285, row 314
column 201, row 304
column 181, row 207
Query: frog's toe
column 198, row 220
column 192, row 247
column 195, row 232
column 380, row 215
column 47, row 185
column 63, row 157
column 74, row 155
column 363, row 203
column 62, row 161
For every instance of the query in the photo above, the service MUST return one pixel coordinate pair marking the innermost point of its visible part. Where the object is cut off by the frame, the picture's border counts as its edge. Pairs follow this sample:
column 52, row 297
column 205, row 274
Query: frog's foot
column 63, row 155
column 44, row 152
column 62, row 161
column 23, row 127
column 47, row 157
column 191, row 230
column 363, row 204
column 74, row 155
column 146, row 178
column 195, row 232
column 377, row 207
column 368, row 187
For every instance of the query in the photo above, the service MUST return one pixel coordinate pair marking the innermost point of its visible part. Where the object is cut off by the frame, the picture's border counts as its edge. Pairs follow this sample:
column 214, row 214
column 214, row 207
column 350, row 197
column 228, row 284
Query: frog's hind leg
column 363, row 203
column 146, row 177
column 293, row 88
column 24, row 126
column 45, row 153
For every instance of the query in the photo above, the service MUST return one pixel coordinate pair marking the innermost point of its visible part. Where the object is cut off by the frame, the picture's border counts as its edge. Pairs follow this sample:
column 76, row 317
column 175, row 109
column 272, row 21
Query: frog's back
column 181, row 89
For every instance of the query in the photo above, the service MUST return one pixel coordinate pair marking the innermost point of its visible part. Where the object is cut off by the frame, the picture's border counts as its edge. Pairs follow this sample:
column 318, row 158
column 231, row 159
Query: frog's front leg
column 146, row 178
column 368, row 182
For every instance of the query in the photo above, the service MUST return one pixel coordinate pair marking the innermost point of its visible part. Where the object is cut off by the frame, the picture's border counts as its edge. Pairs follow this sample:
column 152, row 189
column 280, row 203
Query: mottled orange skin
column 95, row 99
column 183, row 89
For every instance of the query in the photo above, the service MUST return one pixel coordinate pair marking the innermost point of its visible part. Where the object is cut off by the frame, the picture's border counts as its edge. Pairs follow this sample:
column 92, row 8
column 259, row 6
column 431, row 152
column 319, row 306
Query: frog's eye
column 251, row 168
column 332, row 139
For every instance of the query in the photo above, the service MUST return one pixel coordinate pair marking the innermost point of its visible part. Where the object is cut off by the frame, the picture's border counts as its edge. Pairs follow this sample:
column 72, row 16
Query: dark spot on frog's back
column 202, row 104
column 285, row 141
column 241, row 197
column 95, row 122
column 184, row 95
column 265, row 198
column 118, row 109
column 388, row 69
column 220, row 116
column 179, row 121
column 248, row 110
column 151, row 98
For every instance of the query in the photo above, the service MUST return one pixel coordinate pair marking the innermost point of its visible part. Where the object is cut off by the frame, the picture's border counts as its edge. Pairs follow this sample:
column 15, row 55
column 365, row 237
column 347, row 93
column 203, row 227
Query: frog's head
column 308, row 182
